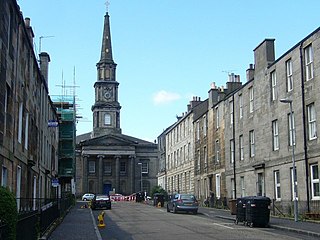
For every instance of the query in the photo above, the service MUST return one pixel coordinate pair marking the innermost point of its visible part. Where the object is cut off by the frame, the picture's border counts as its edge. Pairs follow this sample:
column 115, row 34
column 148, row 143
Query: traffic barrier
column 101, row 223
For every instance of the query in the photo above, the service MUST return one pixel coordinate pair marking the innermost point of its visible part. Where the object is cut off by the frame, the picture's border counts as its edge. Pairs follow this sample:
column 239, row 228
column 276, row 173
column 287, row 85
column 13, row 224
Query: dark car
column 101, row 201
column 182, row 202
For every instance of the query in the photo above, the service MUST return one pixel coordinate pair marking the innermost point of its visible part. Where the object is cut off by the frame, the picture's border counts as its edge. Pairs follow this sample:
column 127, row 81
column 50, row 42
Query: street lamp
column 140, row 177
column 294, row 175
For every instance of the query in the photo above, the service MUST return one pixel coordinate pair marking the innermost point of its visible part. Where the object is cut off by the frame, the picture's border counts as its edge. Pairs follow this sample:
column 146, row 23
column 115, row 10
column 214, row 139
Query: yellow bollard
column 101, row 223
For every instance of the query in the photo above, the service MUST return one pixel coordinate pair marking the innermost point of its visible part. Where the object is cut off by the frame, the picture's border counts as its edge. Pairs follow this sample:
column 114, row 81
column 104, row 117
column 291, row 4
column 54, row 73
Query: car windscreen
column 187, row 197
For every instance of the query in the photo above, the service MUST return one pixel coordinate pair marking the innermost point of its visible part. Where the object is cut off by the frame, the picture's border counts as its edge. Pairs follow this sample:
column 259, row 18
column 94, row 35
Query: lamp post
column 294, row 175
column 140, row 176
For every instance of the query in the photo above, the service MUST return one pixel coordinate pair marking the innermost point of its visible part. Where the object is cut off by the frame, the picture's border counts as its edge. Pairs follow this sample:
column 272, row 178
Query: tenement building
column 260, row 134
column 107, row 160
column 28, row 147
column 266, row 139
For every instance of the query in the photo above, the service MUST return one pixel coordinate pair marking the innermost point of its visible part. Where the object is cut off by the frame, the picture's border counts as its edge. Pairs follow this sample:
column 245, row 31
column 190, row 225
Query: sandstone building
column 107, row 160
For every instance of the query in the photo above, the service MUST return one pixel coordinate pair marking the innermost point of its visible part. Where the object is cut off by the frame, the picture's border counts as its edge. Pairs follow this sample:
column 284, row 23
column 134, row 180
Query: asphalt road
column 130, row 220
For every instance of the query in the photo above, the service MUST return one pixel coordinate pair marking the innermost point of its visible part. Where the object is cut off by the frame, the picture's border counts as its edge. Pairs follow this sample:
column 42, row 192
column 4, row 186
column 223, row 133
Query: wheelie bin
column 158, row 199
column 258, row 211
column 241, row 210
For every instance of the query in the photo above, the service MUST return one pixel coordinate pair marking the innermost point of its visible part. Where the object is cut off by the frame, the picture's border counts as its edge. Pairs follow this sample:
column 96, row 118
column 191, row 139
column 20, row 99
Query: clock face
column 108, row 93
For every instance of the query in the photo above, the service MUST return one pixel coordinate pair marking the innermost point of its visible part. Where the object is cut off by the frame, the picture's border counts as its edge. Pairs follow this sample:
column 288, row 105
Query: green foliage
column 158, row 189
column 8, row 212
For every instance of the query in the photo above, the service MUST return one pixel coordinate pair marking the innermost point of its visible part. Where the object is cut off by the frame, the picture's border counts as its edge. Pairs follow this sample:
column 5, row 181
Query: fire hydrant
column 159, row 204
column 101, row 223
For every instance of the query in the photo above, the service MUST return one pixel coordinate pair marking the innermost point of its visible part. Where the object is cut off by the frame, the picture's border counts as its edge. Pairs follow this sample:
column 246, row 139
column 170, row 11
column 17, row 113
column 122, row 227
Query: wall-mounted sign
column 53, row 123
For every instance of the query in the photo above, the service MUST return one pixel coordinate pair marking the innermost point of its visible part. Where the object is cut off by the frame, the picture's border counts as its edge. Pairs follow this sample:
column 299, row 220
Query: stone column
column 132, row 172
column 85, row 173
column 100, row 173
column 117, row 157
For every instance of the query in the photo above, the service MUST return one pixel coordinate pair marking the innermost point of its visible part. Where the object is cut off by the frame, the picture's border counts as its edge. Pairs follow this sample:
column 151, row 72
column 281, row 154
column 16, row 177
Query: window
column 273, row 86
column 251, row 143
column 243, row 190
column 92, row 166
column 231, row 113
column 198, row 162
column 217, row 118
column 107, row 168
column 218, row 186
column 260, row 185
column 275, row 135
column 240, row 106
column 26, row 136
column 241, row 148
column 107, row 119
column 293, row 183
column 312, row 122
column 289, row 75
column 204, row 126
column 205, row 157
column 251, row 99
column 4, row 178
column 217, row 150
column 277, row 185
column 145, row 167
column 198, row 130
column 123, row 168
column 20, row 123
column 233, row 193
column 308, row 57
column 292, row 134
column 18, row 191
column 315, row 185
column 231, row 151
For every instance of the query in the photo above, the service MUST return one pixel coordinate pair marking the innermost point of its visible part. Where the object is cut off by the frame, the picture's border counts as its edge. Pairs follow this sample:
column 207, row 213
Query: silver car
column 87, row 197
column 182, row 202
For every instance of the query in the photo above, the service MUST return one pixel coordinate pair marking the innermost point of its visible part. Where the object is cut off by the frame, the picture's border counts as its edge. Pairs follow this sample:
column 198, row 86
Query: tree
column 8, row 213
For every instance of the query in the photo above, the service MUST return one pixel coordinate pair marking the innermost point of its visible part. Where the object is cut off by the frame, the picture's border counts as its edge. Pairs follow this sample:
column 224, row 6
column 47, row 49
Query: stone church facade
column 107, row 160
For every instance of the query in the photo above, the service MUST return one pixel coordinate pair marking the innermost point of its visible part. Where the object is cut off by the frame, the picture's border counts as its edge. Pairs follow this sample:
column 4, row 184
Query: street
column 130, row 220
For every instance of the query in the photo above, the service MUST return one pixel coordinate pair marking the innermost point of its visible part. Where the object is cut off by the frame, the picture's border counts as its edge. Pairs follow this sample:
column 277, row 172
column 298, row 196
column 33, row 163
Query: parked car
column 87, row 197
column 101, row 201
column 182, row 202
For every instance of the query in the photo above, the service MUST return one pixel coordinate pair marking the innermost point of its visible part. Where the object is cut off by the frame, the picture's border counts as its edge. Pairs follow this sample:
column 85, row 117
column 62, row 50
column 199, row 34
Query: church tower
column 106, row 109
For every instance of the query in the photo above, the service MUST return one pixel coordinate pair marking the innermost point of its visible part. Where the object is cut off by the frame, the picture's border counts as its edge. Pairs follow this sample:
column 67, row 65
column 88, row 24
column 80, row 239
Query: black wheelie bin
column 258, row 211
column 241, row 210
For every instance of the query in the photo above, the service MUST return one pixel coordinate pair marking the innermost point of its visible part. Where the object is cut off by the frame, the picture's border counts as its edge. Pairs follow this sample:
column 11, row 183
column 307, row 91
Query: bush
column 8, row 212
column 158, row 189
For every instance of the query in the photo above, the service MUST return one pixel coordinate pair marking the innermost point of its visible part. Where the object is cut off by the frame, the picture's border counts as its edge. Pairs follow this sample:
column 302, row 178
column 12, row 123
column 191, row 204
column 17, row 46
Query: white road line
column 223, row 226
column 95, row 226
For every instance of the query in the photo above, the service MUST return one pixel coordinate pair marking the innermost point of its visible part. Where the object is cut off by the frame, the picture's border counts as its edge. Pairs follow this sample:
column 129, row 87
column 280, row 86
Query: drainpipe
column 234, row 150
column 304, row 128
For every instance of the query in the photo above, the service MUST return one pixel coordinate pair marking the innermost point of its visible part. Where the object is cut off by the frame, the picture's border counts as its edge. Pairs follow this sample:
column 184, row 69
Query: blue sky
column 167, row 51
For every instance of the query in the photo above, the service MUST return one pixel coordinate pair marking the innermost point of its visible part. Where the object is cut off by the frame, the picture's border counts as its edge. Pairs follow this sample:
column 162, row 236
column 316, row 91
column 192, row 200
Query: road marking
column 222, row 225
column 95, row 226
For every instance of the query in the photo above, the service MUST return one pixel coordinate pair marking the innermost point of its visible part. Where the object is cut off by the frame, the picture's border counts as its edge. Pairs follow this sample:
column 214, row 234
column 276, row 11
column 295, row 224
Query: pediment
column 109, row 140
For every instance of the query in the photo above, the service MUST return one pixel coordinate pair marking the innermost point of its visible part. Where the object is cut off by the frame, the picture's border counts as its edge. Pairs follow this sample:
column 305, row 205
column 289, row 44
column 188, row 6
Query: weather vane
column 107, row 5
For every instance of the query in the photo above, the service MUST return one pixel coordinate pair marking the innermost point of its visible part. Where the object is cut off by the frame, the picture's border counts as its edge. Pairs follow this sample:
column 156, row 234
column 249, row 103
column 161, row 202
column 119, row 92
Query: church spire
column 106, row 49
column 106, row 109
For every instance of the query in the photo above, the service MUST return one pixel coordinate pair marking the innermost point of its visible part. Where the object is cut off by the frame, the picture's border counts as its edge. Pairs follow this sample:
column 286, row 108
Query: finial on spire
column 107, row 5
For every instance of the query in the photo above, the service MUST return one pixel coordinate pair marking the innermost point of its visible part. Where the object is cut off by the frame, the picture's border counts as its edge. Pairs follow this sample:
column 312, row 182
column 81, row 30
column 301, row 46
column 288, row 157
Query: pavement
column 80, row 224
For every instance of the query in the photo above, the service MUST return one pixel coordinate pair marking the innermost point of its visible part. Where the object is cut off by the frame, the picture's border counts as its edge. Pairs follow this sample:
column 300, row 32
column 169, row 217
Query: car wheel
column 195, row 212
column 84, row 199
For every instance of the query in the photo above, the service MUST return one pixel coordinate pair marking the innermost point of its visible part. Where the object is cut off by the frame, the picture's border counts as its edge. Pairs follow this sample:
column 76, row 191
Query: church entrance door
column 107, row 188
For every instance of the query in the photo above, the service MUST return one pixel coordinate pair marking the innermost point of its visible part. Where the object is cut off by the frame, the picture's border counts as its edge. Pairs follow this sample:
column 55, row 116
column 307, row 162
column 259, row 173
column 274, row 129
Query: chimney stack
column 29, row 30
column 44, row 65
column 250, row 72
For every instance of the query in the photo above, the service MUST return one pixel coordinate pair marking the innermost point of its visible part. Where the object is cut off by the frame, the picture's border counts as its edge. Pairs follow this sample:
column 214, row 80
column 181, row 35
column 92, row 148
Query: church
column 108, row 161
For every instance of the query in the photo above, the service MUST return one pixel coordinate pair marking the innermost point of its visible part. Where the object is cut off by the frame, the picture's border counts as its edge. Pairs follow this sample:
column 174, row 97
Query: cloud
column 164, row 97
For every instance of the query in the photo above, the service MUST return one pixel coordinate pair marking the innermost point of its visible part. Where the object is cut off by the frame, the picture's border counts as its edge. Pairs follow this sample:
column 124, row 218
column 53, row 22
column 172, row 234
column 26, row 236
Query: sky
column 167, row 51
